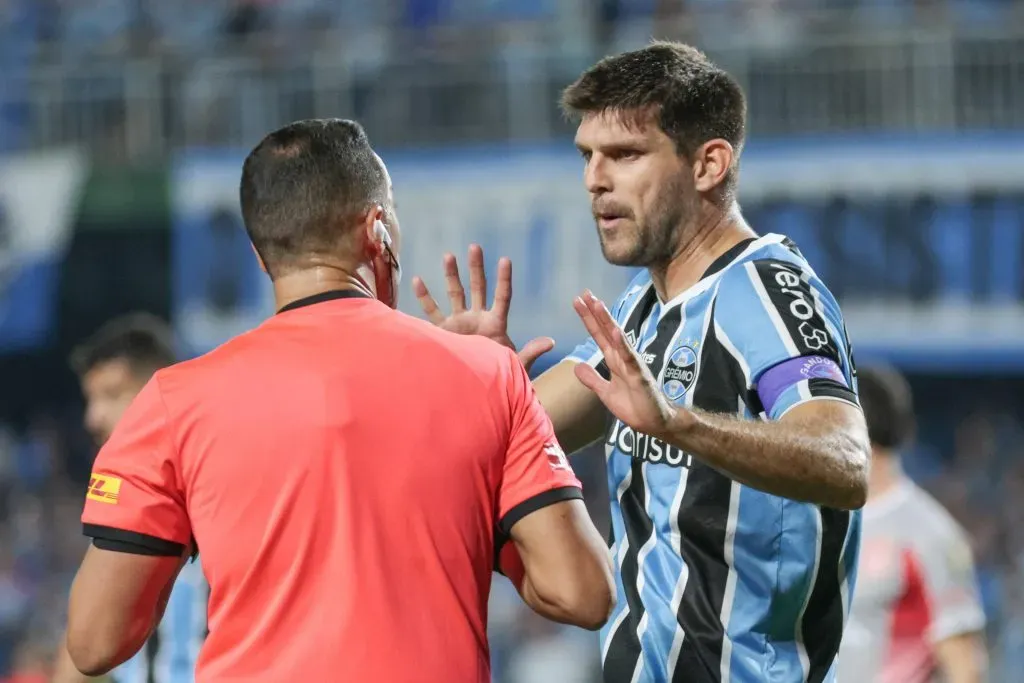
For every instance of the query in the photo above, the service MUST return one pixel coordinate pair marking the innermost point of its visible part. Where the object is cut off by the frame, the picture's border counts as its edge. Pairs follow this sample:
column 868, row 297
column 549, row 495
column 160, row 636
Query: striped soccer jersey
column 717, row 581
column 170, row 654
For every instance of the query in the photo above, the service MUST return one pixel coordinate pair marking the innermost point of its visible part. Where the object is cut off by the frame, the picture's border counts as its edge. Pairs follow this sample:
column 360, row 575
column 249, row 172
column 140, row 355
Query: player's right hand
column 477, row 318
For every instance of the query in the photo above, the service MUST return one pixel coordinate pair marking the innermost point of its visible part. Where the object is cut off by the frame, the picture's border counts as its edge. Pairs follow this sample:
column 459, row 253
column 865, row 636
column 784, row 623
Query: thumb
column 534, row 349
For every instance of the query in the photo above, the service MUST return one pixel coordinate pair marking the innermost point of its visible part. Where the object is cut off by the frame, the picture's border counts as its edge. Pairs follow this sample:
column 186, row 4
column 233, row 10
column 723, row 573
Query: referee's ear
column 259, row 259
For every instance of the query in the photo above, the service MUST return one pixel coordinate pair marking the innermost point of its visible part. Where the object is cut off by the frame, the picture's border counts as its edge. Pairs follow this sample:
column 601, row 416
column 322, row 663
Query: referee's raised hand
column 631, row 393
column 477, row 318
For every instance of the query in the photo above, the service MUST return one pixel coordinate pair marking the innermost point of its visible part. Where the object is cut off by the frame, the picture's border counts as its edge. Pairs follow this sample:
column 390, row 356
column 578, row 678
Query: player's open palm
column 477, row 318
column 632, row 393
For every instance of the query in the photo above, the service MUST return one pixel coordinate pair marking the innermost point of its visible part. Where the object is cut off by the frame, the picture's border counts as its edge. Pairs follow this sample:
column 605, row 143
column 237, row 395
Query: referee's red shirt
column 345, row 471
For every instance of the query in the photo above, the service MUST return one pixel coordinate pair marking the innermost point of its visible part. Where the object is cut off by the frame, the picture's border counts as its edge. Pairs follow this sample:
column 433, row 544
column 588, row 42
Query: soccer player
column 738, row 454
column 347, row 472
column 916, row 612
column 113, row 365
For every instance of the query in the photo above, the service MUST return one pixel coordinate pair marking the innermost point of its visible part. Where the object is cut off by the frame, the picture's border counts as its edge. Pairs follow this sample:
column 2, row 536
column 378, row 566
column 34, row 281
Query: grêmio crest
column 680, row 372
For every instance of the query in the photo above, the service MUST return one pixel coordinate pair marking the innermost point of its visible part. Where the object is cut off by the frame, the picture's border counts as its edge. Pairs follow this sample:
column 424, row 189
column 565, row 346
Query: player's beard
column 659, row 236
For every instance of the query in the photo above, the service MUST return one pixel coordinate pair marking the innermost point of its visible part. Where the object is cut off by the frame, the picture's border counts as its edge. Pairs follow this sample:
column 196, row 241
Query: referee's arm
column 117, row 599
column 546, row 543
column 135, row 513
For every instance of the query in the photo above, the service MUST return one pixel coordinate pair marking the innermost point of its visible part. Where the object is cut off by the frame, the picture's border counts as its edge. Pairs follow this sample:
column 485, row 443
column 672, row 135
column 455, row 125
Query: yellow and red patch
column 104, row 489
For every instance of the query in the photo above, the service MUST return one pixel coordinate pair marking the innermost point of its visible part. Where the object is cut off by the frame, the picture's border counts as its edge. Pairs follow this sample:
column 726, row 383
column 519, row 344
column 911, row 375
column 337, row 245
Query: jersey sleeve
column 135, row 501
column 536, row 471
column 785, row 331
column 947, row 570
column 589, row 353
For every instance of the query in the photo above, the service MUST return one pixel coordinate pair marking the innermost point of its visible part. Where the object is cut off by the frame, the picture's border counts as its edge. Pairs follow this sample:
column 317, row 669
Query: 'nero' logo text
column 644, row 447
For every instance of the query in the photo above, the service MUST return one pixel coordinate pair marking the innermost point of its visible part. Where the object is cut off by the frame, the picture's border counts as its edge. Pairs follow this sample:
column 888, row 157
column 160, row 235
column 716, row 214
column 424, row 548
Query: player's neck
column 308, row 282
column 717, row 231
column 886, row 475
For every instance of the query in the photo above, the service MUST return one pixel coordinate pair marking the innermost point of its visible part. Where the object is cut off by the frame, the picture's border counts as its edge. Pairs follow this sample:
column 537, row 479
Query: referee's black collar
column 329, row 295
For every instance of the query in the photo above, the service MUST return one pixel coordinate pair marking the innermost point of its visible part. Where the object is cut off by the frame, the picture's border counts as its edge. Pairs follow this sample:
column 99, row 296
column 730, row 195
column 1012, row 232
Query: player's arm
column 556, row 558
column 814, row 453
column 946, row 567
column 135, row 513
column 794, row 370
column 578, row 416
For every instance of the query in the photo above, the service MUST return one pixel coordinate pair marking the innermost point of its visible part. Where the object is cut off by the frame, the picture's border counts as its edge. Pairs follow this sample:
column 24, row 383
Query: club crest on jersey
column 680, row 373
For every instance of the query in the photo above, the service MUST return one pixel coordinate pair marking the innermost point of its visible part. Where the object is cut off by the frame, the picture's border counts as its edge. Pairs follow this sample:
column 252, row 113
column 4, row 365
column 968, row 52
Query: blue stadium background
column 886, row 139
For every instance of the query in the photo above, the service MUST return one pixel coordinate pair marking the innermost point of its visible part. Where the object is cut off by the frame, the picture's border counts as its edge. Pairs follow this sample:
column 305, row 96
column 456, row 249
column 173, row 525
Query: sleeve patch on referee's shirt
column 104, row 489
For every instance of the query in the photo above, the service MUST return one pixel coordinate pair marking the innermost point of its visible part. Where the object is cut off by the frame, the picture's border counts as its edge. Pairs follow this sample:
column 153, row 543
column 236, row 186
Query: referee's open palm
column 632, row 393
column 477, row 318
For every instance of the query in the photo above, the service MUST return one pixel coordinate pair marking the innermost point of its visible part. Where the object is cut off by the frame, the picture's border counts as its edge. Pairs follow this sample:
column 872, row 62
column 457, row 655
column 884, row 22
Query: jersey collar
column 728, row 257
column 329, row 295
column 714, row 271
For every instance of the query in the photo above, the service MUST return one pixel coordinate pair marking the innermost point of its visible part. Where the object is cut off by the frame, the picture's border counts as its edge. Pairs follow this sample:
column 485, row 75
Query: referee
column 349, row 473
column 738, row 453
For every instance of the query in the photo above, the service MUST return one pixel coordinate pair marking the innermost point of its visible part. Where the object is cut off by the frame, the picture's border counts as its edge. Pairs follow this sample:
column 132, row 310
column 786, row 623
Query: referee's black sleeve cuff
column 528, row 506
column 531, row 505
column 120, row 540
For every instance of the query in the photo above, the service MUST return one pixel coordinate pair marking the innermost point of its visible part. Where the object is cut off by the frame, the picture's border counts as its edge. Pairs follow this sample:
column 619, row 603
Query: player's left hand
column 632, row 393
column 477, row 319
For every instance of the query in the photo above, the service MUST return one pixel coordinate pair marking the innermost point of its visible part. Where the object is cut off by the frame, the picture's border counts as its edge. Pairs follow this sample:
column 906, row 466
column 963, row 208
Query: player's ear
column 711, row 164
column 259, row 259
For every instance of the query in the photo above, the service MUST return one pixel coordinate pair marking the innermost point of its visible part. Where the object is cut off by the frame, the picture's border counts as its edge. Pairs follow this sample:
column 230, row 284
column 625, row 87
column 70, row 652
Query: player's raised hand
column 477, row 318
column 632, row 393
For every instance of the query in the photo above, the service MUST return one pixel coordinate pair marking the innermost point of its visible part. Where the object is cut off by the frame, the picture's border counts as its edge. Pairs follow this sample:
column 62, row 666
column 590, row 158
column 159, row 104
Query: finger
column 503, row 289
column 611, row 329
column 603, row 316
column 594, row 329
column 477, row 278
column 621, row 357
column 427, row 302
column 456, row 293
column 589, row 378
column 534, row 349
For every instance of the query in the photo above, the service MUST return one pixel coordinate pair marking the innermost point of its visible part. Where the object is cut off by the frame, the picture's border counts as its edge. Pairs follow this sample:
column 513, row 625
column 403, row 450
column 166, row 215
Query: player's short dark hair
column 144, row 341
column 302, row 184
column 888, row 406
column 692, row 99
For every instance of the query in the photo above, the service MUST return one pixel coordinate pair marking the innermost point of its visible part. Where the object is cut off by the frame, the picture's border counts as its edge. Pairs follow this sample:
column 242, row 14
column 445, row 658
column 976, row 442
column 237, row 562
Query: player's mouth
column 609, row 221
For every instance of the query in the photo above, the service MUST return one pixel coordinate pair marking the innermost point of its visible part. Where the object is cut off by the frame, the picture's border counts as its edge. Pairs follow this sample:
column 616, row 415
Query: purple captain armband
column 776, row 379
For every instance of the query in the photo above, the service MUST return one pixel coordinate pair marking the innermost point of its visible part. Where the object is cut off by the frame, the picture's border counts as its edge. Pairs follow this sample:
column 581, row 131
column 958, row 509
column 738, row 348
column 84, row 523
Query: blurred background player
column 113, row 366
column 337, row 548
column 727, row 370
column 916, row 615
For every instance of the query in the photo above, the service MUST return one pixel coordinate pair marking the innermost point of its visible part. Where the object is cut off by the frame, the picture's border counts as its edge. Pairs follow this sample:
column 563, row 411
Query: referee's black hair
column 144, row 341
column 302, row 185
column 691, row 98
column 888, row 406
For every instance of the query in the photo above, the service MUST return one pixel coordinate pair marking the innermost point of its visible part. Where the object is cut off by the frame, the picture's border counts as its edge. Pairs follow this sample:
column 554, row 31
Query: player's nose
column 595, row 176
